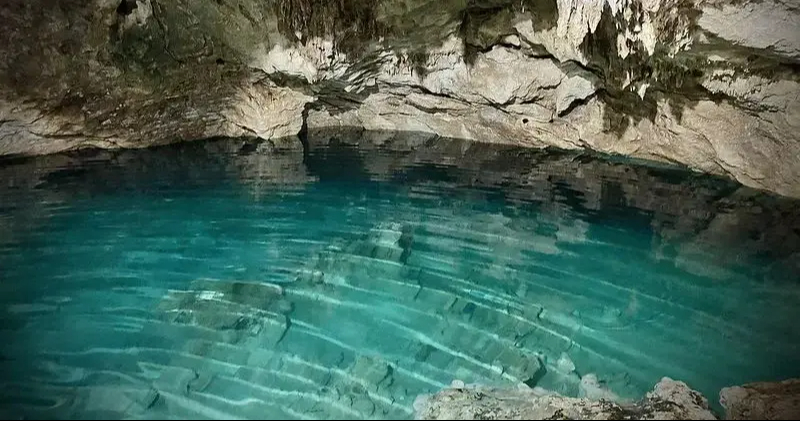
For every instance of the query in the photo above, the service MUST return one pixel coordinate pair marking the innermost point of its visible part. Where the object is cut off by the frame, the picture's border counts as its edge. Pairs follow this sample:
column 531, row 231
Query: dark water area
column 225, row 279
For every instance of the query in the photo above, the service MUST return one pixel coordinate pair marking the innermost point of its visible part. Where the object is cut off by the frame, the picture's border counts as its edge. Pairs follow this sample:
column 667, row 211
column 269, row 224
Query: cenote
column 225, row 279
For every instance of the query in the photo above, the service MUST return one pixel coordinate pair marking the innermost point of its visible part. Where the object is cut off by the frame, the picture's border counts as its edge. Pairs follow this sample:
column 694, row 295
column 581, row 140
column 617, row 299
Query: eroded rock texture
column 669, row 400
column 131, row 74
column 709, row 84
column 762, row 401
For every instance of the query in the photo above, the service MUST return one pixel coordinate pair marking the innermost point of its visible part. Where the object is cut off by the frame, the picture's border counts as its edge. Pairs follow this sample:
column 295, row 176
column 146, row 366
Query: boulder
column 762, row 401
column 669, row 400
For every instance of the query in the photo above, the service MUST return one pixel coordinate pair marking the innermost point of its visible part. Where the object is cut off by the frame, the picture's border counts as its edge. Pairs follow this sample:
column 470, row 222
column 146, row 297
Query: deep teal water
column 208, row 281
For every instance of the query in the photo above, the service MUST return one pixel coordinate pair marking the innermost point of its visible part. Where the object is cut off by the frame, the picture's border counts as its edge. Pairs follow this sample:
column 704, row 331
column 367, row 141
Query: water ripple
column 331, row 296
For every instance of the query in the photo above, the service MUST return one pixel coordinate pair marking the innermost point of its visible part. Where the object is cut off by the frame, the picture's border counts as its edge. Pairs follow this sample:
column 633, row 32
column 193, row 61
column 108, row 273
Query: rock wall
column 134, row 73
column 709, row 84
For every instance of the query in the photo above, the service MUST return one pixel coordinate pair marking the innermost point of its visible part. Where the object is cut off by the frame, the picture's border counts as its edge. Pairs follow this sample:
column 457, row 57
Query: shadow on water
column 225, row 278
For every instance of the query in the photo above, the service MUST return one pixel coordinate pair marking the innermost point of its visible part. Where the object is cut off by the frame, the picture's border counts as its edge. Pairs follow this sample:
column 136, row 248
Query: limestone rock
column 591, row 388
column 709, row 85
column 110, row 75
column 372, row 371
column 576, row 19
column 238, row 310
column 769, row 25
column 669, row 400
column 572, row 89
column 113, row 401
column 762, row 401
column 387, row 241
column 565, row 364
column 501, row 76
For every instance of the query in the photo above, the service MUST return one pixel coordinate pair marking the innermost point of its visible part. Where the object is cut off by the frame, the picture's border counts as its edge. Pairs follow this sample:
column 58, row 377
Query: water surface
column 222, row 279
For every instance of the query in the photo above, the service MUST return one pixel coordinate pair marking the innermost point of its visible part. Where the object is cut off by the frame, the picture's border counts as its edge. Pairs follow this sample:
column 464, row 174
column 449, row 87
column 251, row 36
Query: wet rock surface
column 669, row 400
column 242, row 310
column 711, row 85
column 762, row 401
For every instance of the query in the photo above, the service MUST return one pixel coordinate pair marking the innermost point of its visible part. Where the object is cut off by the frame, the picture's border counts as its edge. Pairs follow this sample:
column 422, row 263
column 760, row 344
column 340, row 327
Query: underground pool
column 228, row 279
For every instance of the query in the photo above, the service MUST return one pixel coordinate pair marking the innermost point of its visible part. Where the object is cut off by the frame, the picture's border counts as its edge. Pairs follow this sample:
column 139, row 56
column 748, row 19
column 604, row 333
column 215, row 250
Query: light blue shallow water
column 217, row 281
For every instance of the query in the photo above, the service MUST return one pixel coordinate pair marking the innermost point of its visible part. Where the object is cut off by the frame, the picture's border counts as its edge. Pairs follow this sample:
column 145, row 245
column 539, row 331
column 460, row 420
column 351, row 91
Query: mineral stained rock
column 762, row 401
column 711, row 85
column 669, row 400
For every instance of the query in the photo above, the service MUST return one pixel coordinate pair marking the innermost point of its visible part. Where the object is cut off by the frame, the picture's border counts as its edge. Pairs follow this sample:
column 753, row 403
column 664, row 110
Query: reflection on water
column 224, row 280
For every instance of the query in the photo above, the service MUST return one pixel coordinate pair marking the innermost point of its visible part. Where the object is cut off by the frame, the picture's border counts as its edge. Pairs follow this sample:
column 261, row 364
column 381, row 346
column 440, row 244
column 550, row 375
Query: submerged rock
column 762, row 401
column 387, row 241
column 238, row 310
column 591, row 388
column 112, row 401
column 565, row 363
column 382, row 248
column 669, row 400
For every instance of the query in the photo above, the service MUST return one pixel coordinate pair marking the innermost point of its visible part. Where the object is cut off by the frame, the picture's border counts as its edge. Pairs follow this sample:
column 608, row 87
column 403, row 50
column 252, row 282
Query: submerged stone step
column 254, row 294
column 242, row 311
column 283, row 378
column 387, row 241
column 339, row 267
column 176, row 379
column 218, row 351
column 113, row 402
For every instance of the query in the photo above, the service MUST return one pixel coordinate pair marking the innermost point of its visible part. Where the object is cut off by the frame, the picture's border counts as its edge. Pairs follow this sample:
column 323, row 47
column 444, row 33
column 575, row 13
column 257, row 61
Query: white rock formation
column 709, row 85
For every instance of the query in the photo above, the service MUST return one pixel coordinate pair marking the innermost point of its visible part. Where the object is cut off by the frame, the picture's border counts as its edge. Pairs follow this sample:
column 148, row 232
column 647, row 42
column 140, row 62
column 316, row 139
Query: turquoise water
column 222, row 280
